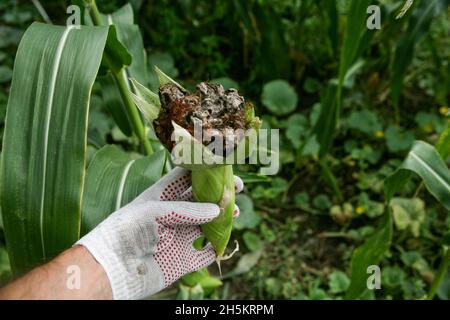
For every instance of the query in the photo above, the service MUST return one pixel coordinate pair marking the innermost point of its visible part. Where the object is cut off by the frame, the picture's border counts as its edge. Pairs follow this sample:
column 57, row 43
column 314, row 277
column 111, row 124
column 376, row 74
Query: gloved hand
column 147, row 245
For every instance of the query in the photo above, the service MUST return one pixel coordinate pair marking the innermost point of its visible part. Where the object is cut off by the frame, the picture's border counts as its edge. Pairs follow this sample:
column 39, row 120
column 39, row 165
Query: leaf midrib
column 51, row 92
column 431, row 170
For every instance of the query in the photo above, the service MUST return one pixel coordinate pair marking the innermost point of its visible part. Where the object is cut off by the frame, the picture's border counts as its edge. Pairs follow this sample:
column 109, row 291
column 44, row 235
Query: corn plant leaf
column 443, row 146
column 44, row 145
column 113, row 101
column 355, row 30
column 418, row 26
column 165, row 79
column 425, row 161
column 326, row 124
column 130, row 36
column 330, row 8
column 113, row 179
column 122, row 16
column 116, row 53
column 369, row 253
column 356, row 38
column 146, row 101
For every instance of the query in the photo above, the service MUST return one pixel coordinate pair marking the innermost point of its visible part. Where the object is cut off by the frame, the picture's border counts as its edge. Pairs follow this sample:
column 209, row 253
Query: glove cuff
column 127, row 279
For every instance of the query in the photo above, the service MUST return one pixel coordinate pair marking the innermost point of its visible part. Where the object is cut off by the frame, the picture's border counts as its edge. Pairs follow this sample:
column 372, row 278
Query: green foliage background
column 297, row 230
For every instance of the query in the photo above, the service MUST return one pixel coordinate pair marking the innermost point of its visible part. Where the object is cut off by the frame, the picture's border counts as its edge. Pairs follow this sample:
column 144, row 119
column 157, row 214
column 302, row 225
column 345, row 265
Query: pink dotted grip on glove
column 175, row 253
column 176, row 188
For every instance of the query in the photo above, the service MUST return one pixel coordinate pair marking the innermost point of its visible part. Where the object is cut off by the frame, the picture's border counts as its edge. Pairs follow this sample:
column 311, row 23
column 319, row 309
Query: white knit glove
column 147, row 245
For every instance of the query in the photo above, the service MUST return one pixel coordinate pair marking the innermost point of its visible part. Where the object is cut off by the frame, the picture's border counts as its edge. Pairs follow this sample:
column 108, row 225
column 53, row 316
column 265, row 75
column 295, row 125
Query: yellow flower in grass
column 444, row 110
column 379, row 134
column 360, row 210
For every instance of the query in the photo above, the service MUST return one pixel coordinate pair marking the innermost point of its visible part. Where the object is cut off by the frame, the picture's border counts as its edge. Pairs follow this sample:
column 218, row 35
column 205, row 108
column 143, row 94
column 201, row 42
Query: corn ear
column 212, row 175
column 216, row 185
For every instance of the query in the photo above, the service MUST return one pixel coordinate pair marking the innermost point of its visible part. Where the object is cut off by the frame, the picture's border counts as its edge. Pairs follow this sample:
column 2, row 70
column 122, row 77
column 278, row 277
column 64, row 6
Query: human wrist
column 74, row 274
column 93, row 281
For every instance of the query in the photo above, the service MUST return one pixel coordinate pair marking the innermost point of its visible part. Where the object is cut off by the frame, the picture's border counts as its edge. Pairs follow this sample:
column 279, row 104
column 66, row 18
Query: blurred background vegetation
column 298, row 231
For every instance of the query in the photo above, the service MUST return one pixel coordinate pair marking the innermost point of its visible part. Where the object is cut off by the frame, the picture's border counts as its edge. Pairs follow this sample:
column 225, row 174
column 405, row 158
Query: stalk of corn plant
column 224, row 112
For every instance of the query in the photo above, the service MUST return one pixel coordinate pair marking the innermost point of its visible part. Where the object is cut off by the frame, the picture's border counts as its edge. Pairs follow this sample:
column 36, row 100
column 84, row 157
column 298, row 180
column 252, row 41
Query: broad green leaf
column 114, row 103
column 398, row 139
column 248, row 217
column 338, row 282
column 113, row 179
column 116, row 54
column 130, row 36
column 279, row 97
column 123, row 15
column 369, row 253
column 365, row 121
column 443, row 146
column 99, row 126
column 146, row 101
column 425, row 161
column 44, row 145
column 418, row 26
column 408, row 214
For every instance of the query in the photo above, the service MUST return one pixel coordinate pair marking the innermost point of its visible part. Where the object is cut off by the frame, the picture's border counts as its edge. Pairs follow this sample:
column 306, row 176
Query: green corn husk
column 211, row 182
column 216, row 185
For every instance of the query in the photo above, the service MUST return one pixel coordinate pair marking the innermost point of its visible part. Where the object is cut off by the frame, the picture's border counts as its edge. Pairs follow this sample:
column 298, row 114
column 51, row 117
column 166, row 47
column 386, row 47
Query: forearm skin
column 57, row 280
